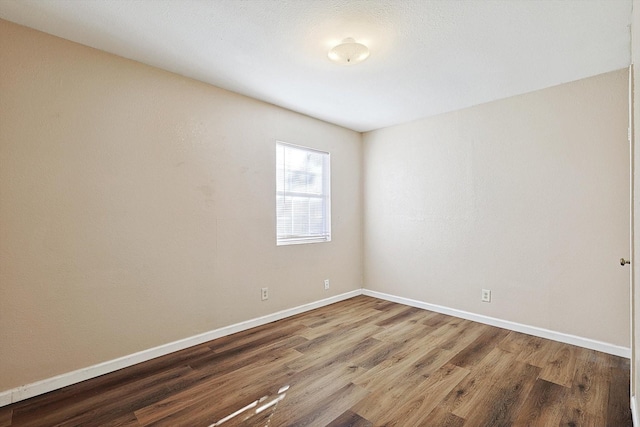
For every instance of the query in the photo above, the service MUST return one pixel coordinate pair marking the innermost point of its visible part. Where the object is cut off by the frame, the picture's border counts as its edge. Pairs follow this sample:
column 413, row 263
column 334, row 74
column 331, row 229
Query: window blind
column 303, row 202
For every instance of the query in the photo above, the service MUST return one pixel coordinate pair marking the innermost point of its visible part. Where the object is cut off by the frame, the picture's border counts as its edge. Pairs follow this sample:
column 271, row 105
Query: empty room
column 319, row 212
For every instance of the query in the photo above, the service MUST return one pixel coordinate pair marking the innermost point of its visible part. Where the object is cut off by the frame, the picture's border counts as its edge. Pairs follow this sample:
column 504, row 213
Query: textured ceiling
column 427, row 57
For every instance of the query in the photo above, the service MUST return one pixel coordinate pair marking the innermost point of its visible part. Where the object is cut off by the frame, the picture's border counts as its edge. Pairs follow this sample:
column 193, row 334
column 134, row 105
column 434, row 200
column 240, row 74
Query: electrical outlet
column 265, row 294
column 326, row 284
column 486, row 295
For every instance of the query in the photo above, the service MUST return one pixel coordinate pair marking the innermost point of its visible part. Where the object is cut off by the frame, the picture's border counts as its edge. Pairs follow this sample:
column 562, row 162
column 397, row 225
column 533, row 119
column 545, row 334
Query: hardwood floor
column 360, row 362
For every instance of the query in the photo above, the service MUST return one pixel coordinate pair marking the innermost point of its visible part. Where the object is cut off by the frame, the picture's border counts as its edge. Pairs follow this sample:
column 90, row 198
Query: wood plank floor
column 360, row 362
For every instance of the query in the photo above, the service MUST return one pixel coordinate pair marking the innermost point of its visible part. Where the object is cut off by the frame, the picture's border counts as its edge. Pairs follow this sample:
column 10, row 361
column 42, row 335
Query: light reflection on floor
column 256, row 409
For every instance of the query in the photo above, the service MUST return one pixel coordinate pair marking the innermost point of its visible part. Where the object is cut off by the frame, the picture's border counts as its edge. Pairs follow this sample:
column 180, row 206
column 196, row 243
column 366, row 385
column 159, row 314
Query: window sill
column 288, row 242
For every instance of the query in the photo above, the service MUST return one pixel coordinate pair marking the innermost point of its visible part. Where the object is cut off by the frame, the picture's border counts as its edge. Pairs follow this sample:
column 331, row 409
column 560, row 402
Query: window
column 303, row 201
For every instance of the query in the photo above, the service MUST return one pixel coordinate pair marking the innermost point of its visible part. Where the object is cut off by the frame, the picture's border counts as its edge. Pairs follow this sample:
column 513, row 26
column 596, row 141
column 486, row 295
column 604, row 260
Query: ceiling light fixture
column 349, row 52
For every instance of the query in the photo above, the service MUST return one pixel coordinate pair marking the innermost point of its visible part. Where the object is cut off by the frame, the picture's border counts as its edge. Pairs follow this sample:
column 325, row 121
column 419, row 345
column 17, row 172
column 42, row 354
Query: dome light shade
column 349, row 52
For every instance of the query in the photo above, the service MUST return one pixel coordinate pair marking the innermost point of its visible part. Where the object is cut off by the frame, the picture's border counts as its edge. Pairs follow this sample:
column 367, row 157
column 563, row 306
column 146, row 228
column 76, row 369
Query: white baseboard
column 5, row 398
column 634, row 411
column 40, row 387
column 505, row 324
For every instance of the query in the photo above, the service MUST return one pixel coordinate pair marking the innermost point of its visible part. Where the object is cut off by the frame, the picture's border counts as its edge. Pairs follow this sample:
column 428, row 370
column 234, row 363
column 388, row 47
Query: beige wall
column 527, row 197
column 137, row 208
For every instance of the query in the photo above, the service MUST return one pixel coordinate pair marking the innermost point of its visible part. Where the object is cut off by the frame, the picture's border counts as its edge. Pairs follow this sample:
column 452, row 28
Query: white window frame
column 325, row 196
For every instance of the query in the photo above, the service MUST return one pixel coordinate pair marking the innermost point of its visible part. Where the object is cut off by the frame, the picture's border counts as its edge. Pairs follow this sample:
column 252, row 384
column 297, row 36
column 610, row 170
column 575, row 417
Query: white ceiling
column 427, row 57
